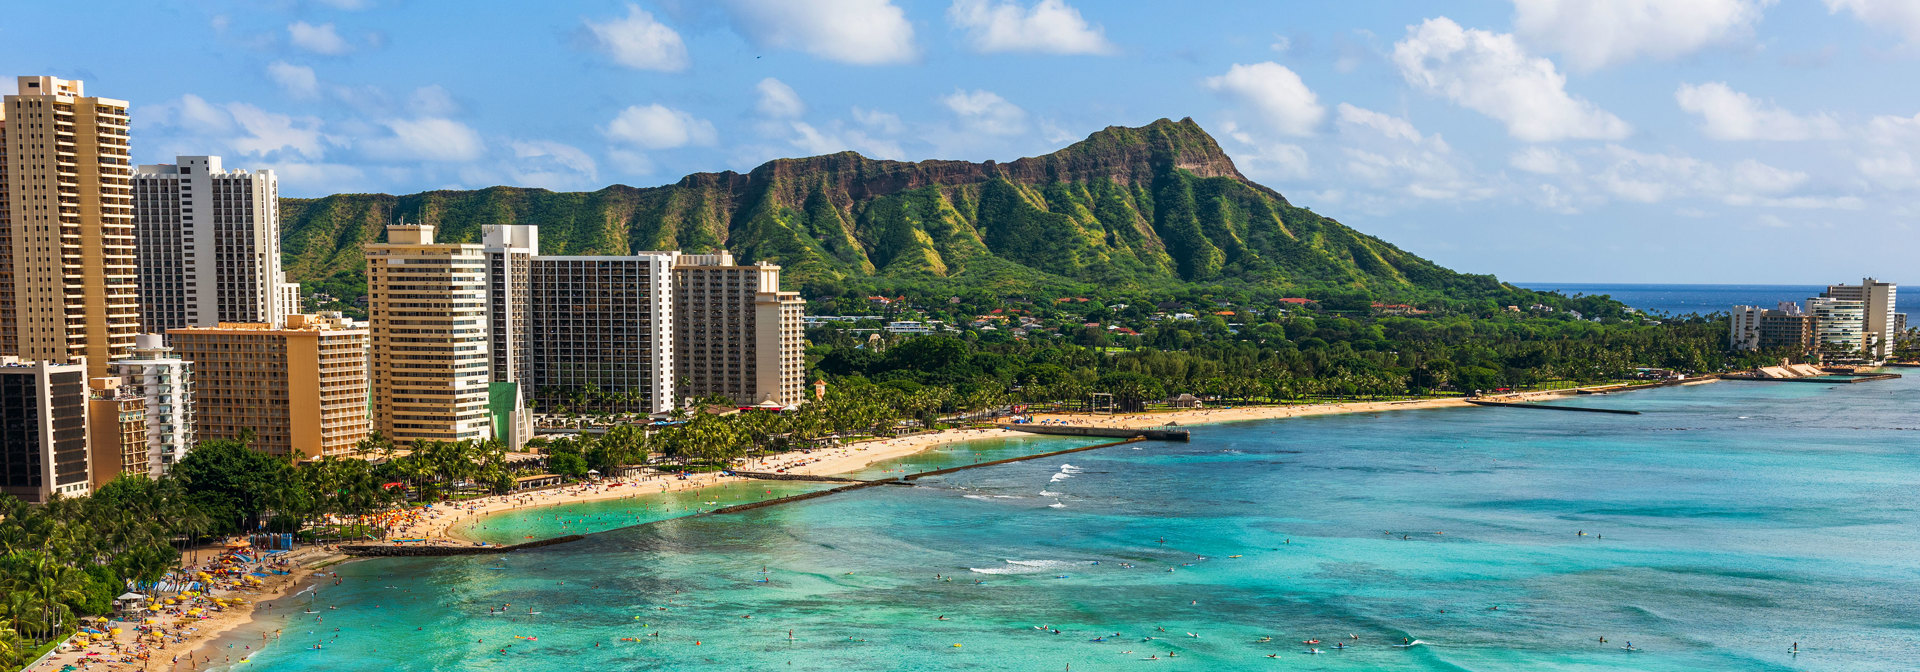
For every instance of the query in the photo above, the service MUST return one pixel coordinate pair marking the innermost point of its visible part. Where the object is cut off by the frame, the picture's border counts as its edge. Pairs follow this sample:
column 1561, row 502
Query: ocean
column 1680, row 300
column 1714, row 531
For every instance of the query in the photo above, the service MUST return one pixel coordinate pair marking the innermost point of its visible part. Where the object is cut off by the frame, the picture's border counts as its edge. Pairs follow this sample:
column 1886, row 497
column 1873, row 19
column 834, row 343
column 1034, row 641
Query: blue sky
column 1541, row 140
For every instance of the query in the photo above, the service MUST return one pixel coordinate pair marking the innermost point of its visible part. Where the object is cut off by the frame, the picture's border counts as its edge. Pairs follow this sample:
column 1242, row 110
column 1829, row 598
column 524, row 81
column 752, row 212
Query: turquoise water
column 1722, row 525
column 544, row 522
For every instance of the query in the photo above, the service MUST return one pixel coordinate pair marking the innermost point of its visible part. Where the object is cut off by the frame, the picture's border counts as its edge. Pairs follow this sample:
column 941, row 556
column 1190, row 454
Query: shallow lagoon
column 1724, row 524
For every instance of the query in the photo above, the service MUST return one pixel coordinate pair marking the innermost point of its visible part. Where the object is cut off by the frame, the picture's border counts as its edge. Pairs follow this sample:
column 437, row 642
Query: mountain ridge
column 1155, row 206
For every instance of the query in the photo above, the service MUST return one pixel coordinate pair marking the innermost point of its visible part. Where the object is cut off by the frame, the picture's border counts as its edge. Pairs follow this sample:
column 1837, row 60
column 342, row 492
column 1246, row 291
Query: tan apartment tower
column 43, row 430
column 427, row 309
column 736, row 334
column 67, row 285
column 209, row 245
column 300, row 389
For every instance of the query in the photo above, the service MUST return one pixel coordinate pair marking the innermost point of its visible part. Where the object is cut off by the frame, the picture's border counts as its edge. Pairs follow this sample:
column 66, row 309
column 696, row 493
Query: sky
column 1706, row 141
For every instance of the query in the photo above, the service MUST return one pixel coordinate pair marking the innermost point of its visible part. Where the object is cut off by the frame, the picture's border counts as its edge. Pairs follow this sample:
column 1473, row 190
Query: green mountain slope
column 1127, row 208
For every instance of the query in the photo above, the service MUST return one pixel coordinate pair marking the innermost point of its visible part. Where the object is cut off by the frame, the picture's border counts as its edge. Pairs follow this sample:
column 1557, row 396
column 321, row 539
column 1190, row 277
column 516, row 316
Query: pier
column 1545, row 407
column 1109, row 432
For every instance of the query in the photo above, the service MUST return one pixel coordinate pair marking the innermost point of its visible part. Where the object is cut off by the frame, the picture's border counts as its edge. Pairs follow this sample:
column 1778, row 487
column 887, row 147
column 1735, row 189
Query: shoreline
column 302, row 565
column 447, row 528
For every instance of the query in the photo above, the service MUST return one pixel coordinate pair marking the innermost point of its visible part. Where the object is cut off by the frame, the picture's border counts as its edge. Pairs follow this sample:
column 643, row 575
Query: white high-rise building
column 1839, row 332
column 209, row 246
column 1879, row 323
column 166, row 383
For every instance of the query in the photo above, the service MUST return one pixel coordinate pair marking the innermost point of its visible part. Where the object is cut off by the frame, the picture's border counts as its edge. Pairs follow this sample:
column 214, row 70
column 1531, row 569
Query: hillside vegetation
column 1128, row 209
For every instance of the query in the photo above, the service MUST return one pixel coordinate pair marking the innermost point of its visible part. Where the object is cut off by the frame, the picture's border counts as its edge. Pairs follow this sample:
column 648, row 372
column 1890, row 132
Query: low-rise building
column 1786, row 327
column 298, row 389
column 116, row 431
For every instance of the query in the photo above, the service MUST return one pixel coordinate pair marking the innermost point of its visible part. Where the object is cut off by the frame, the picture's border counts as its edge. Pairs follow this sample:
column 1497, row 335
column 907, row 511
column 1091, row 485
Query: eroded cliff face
column 1126, row 207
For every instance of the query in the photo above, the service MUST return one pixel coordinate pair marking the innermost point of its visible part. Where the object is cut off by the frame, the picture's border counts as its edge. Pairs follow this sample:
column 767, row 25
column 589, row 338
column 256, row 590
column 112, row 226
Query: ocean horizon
column 1704, row 299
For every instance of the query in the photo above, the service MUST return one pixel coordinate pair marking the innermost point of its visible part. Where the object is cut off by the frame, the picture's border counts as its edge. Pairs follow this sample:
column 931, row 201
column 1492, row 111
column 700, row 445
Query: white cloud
column 1491, row 74
column 1387, row 153
column 320, row 39
column 427, row 139
column 266, row 132
column 1898, row 16
column 1753, row 177
column 1890, row 162
column 1266, row 159
column 1544, row 161
column 319, row 177
column 1598, row 33
column 779, row 101
column 432, row 101
column 298, row 80
column 551, row 165
column 1050, row 26
column 1282, row 102
column 839, row 138
column 886, row 123
column 1726, row 114
column 861, row 32
column 630, row 162
column 640, row 42
column 986, row 112
column 196, row 115
column 659, row 127
column 1385, row 124
column 1650, row 178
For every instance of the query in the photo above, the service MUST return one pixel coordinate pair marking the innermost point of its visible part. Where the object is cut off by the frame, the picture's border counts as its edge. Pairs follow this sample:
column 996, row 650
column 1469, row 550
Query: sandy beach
column 185, row 632
column 1198, row 416
column 444, row 523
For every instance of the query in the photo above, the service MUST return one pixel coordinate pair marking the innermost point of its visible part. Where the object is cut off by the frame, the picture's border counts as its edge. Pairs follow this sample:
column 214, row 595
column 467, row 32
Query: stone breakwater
column 385, row 551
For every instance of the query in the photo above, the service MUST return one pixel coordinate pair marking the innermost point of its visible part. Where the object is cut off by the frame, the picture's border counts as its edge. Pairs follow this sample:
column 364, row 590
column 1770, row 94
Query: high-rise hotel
column 563, row 325
column 67, row 281
column 209, row 245
column 737, row 335
column 43, row 430
column 427, row 310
